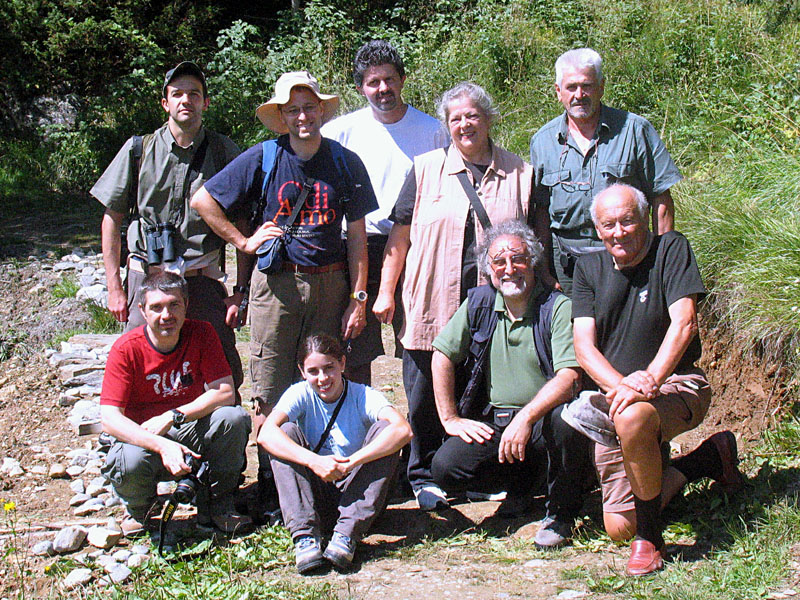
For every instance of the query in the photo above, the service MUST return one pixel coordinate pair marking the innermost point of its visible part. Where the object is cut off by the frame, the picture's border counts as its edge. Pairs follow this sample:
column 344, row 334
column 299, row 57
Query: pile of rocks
column 81, row 363
column 90, row 273
column 116, row 565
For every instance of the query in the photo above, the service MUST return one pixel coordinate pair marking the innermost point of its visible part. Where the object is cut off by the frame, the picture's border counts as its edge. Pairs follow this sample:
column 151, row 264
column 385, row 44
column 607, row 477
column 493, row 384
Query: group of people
column 519, row 293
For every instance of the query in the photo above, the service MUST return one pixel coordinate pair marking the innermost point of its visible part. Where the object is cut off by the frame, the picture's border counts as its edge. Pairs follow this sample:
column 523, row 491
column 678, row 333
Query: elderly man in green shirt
column 515, row 339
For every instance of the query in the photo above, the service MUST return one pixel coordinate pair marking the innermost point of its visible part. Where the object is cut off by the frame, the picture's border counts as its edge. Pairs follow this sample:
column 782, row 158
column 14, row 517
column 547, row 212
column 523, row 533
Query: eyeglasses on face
column 517, row 260
column 294, row 111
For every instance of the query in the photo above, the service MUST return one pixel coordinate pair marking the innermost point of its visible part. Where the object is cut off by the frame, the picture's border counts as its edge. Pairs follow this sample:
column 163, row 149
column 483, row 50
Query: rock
column 74, row 470
column 69, row 539
column 112, row 524
column 136, row 560
column 57, row 471
column 94, row 378
column 119, row 573
column 571, row 594
column 140, row 549
column 101, row 481
column 44, row 548
column 78, row 499
column 88, row 508
column 95, row 490
column 63, row 266
column 38, row 470
column 535, row 563
column 112, row 500
column 67, row 399
column 122, row 555
column 94, row 340
column 73, row 370
column 105, row 561
column 77, row 486
column 9, row 465
column 95, row 292
column 100, row 537
column 77, row 578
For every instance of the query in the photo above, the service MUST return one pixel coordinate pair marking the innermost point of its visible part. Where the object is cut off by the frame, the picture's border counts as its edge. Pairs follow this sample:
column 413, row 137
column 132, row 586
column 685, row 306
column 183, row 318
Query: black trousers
column 554, row 448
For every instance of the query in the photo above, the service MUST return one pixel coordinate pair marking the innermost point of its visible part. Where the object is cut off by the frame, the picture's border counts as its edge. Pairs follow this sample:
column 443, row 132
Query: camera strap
column 335, row 414
column 166, row 517
column 191, row 174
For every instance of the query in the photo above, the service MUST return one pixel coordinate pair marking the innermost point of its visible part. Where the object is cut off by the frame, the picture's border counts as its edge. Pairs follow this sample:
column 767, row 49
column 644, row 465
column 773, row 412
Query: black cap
column 184, row 68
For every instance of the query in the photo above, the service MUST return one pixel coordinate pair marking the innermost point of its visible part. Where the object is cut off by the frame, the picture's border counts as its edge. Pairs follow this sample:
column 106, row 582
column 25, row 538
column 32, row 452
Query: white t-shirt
column 359, row 412
column 387, row 151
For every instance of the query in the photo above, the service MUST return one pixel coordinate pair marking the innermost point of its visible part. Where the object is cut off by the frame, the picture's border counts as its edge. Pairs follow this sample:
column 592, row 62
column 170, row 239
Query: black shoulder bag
column 480, row 212
column 272, row 252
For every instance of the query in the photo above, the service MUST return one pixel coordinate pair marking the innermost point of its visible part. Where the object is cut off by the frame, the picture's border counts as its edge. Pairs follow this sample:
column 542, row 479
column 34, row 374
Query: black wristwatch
column 240, row 289
column 178, row 418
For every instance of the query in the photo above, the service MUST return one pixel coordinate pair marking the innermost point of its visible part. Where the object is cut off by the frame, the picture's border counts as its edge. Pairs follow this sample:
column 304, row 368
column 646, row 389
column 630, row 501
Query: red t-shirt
column 145, row 382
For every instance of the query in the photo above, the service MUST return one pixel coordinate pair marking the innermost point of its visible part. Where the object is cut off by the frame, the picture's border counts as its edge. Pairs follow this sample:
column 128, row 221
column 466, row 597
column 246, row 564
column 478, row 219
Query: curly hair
column 514, row 228
column 374, row 54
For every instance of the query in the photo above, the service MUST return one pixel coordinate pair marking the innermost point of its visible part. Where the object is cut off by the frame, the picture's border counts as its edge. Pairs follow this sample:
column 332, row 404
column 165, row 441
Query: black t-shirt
column 315, row 239
column 631, row 306
column 403, row 212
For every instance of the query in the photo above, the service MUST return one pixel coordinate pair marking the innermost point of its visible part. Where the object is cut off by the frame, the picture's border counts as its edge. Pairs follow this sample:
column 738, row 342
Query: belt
column 138, row 265
column 293, row 268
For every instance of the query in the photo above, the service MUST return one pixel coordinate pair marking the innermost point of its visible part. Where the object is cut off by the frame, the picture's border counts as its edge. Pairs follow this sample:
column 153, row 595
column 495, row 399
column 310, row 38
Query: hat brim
column 583, row 415
column 269, row 112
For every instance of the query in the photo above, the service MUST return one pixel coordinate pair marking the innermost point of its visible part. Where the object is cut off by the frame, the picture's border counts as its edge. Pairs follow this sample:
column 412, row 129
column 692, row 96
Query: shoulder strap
column 482, row 321
column 137, row 146
column 542, row 329
column 335, row 414
column 269, row 156
column 308, row 186
column 480, row 212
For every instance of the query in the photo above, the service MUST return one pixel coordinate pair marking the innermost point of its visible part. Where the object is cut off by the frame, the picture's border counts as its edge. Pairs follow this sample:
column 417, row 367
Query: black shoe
column 515, row 505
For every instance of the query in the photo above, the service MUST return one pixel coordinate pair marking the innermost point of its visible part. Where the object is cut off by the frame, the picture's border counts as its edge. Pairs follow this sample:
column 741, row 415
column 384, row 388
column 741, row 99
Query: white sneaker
column 431, row 497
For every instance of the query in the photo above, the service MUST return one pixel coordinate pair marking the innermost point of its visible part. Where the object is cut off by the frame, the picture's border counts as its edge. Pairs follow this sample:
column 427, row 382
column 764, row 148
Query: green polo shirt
column 513, row 374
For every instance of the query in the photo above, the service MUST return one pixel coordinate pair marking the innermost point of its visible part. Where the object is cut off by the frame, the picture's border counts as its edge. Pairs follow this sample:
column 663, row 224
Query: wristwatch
column 360, row 295
column 240, row 289
column 178, row 418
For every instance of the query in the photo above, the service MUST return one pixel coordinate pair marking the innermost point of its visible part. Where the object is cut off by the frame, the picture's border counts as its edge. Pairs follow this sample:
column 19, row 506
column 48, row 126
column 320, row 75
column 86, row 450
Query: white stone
column 44, row 548
column 8, row 465
column 119, row 573
column 78, row 499
column 69, row 539
column 77, row 578
column 39, row 470
column 105, row 561
column 100, row 537
column 74, row 470
column 77, row 486
column 140, row 549
column 100, row 481
column 566, row 594
column 535, row 563
column 112, row 500
column 112, row 524
column 122, row 555
column 96, row 293
column 94, row 490
column 136, row 560
column 88, row 508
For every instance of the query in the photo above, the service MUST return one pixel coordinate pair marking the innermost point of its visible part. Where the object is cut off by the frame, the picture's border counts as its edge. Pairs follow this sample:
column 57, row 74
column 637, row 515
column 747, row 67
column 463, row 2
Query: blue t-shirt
column 311, row 414
column 315, row 238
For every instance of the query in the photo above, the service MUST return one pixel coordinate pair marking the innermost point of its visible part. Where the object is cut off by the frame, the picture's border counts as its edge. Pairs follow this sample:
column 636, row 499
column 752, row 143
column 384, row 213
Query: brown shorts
column 681, row 405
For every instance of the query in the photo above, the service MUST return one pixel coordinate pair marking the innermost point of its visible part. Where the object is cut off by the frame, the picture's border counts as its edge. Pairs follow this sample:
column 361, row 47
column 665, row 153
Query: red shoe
column 732, row 480
column 645, row 558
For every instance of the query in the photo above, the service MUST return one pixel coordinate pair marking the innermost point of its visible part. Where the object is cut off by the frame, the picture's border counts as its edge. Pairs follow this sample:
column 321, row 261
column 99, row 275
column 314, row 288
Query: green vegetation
column 66, row 288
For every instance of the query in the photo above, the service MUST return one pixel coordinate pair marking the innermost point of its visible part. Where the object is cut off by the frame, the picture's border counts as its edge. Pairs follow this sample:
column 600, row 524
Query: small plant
column 66, row 288
column 102, row 321
column 16, row 554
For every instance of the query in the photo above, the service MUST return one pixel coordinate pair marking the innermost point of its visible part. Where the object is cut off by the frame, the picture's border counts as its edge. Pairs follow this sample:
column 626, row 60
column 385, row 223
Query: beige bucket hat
column 268, row 112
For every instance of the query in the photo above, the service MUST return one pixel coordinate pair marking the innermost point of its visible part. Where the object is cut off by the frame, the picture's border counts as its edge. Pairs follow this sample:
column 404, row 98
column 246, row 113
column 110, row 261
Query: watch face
column 360, row 296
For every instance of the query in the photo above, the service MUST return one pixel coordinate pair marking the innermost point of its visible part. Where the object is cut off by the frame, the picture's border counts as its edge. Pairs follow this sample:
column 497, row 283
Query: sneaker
column 552, row 534
column 430, row 498
column 228, row 523
column 515, row 505
column 340, row 551
column 307, row 554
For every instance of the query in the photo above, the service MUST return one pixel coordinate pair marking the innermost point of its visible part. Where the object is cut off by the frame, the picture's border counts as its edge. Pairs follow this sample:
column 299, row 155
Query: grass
column 66, row 288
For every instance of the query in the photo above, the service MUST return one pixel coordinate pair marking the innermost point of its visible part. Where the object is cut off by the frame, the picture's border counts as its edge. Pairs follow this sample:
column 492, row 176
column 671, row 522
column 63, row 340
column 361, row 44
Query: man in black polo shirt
column 635, row 333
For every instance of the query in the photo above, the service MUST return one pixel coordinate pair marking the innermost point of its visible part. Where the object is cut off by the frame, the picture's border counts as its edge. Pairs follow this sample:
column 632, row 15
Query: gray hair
column 514, row 228
column 642, row 205
column 579, row 59
column 475, row 93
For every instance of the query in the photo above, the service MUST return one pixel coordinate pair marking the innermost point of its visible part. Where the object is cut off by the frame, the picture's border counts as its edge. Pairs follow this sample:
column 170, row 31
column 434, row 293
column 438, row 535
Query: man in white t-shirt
column 386, row 135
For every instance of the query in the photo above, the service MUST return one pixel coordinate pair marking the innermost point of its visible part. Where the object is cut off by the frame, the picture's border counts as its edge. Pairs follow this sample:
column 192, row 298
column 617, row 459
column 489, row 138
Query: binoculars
column 161, row 243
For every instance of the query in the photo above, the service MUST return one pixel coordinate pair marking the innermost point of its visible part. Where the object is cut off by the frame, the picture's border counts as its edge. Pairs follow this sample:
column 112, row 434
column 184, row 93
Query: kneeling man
column 168, row 393
column 635, row 321
column 516, row 339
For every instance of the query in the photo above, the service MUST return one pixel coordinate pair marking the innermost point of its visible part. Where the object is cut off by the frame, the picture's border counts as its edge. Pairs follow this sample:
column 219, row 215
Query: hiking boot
column 307, row 554
column 340, row 551
column 431, row 497
column 732, row 479
column 552, row 534
column 515, row 505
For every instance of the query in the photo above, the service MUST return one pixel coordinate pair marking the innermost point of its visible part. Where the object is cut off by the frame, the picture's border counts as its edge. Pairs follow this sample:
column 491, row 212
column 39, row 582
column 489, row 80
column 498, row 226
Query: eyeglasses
column 577, row 186
column 517, row 260
column 294, row 111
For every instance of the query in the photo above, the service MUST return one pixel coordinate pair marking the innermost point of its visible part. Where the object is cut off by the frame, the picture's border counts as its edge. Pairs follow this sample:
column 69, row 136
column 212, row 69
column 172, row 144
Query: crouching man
column 635, row 322
column 516, row 338
column 168, row 393
column 335, row 447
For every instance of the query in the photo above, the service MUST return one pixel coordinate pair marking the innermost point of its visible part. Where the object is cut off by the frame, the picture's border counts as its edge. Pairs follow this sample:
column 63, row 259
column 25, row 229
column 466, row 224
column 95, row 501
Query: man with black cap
column 320, row 284
column 151, row 179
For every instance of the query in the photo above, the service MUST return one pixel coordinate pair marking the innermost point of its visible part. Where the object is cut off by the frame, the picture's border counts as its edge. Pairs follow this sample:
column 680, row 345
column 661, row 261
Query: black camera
column 160, row 241
column 187, row 487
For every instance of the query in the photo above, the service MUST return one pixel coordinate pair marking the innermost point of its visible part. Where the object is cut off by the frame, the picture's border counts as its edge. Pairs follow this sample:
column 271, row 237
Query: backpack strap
column 137, row 147
column 482, row 321
column 542, row 329
column 269, row 158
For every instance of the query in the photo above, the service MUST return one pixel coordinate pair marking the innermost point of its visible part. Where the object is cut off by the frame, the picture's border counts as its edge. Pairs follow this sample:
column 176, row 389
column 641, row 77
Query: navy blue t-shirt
column 315, row 239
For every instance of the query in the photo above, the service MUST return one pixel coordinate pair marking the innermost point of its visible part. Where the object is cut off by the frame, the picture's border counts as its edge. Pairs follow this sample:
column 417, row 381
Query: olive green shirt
column 164, row 192
column 513, row 375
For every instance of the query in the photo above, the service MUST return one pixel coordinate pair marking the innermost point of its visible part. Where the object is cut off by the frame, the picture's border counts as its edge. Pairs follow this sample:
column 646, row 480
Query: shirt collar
column 603, row 126
column 500, row 305
column 454, row 164
column 169, row 140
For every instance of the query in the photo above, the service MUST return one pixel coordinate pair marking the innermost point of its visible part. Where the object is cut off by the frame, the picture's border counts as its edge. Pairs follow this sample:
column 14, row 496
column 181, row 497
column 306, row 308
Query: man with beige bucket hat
column 319, row 285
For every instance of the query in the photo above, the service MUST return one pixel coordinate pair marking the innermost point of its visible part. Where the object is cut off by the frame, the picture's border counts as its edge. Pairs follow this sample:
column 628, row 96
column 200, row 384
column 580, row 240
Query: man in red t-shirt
column 168, row 393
